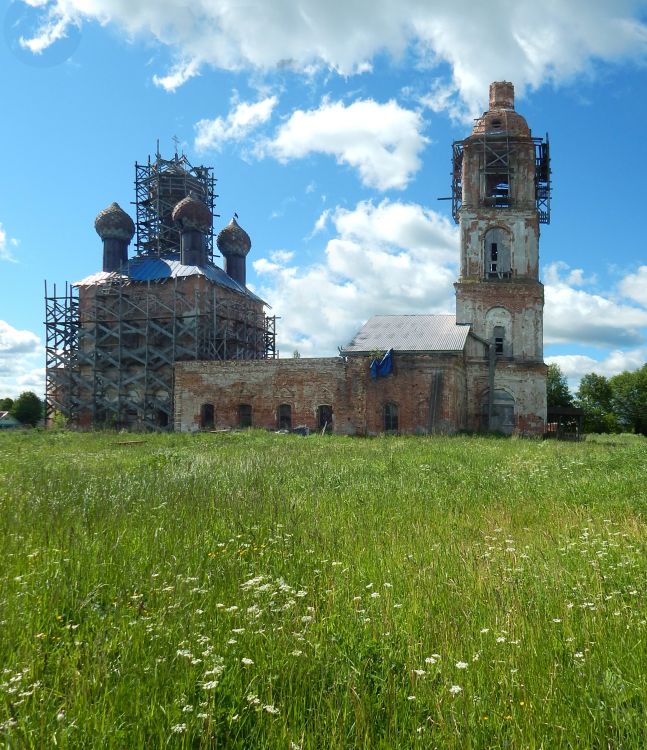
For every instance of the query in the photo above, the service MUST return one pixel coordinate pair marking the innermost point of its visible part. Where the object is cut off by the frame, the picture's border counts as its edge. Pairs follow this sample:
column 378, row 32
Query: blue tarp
column 383, row 367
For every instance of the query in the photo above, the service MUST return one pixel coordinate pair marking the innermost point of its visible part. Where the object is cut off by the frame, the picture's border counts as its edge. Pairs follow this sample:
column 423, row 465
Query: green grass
column 389, row 593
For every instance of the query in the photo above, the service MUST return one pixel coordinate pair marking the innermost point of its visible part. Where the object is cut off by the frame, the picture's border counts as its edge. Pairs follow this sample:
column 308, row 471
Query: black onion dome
column 193, row 213
column 113, row 223
column 233, row 240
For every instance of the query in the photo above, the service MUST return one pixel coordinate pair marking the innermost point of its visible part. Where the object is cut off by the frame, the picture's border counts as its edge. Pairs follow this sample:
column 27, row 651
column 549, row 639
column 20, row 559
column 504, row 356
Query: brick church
column 481, row 369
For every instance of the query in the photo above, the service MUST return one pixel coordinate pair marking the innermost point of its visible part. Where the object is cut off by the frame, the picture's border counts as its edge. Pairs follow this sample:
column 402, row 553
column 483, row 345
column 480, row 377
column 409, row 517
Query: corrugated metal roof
column 168, row 267
column 409, row 333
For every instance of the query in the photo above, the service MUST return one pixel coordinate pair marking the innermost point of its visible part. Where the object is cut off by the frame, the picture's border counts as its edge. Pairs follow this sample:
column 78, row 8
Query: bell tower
column 500, row 197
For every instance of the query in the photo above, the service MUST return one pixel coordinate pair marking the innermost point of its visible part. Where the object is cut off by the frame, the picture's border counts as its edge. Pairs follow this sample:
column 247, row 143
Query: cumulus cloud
column 20, row 361
column 6, row 245
column 574, row 315
column 634, row 286
column 388, row 258
column 575, row 366
column 180, row 73
column 241, row 120
column 481, row 43
column 381, row 141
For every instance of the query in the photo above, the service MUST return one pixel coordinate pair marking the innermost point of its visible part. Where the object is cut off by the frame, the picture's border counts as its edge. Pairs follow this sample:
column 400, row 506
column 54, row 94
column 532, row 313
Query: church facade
column 481, row 369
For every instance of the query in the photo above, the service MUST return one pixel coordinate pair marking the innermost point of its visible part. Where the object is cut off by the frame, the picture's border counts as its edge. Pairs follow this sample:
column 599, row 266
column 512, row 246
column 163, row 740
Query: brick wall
column 427, row 390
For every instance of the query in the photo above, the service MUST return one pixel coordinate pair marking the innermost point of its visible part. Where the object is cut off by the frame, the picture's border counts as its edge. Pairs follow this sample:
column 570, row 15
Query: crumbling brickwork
column 427, row 392
column 493, row 380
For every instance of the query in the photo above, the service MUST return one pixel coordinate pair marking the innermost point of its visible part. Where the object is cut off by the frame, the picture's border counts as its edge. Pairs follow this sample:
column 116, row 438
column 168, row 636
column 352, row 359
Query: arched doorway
column 324, row 417
column 244, row 415
column 207, row 416
column 501, row 418
column 284, row 417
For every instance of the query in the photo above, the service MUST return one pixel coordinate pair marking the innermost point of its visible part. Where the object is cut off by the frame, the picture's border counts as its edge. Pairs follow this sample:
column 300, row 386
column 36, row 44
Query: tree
column 28, row 408
column 629, row 399
column 6, row 404
column 557, row 392
column 594, row 397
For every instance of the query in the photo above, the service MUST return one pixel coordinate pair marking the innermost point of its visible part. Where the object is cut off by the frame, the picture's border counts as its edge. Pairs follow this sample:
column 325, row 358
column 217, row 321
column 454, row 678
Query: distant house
column 7, row 422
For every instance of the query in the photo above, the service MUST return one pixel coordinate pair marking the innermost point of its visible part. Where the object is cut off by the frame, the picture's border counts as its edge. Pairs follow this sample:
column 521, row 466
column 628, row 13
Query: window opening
column 324, row 416
column 497, row 255
column 245, row 415
column 285, row 417
column 390, row 417
column 207, row 416
column 499, row 335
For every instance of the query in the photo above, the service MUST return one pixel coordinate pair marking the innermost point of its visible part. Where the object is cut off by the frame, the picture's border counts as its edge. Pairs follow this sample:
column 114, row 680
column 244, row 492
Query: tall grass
column 248, row 590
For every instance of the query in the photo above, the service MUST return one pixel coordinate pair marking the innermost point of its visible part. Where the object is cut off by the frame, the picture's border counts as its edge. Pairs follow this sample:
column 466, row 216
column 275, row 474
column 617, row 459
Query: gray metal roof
column 153, row 268
column 409, row 333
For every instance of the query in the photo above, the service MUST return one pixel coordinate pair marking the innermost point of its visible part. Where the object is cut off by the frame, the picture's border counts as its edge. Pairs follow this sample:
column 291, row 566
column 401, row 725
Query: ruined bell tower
column 500, row 197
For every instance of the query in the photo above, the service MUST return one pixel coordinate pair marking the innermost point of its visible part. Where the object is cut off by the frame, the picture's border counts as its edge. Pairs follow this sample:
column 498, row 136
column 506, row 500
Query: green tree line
column 27, row 408
column 615, row 404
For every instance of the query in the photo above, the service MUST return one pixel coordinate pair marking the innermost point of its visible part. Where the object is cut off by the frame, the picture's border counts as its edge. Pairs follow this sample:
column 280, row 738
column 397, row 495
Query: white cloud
column 241, row 120
column 479, row 42
column 634, row 286
column 180, row 73
column 382, row 141
column 387, row 258
column 574, row 366
column 576, row 316
column 20, row 361
column 6, row 244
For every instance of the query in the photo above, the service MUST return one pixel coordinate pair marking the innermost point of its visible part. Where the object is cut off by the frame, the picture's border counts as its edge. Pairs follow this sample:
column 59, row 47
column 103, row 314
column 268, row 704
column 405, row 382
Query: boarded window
column 284, row 417
column 390, row 417
column 245, row 415
column 207, row 416
column 497, row 254
column 324, row 416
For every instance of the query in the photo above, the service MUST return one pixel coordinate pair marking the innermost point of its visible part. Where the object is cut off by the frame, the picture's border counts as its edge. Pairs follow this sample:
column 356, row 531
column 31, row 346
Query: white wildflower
column 271, row 709
column 455, row 689
column 247, row 662
column 178, row 728
column 461, row 665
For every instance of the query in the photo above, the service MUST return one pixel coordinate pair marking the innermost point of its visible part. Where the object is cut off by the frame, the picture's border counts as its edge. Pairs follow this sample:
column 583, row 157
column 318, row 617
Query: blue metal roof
column 154, row 268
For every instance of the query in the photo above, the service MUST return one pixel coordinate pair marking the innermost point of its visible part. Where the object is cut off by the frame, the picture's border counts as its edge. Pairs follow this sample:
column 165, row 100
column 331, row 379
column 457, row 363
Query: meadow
column 253, row 590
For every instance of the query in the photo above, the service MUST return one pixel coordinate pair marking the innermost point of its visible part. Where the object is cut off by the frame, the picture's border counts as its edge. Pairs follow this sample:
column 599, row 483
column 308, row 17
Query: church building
column 481, row 369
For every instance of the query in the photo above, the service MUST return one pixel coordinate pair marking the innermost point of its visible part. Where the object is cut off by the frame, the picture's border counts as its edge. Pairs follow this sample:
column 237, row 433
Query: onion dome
column 113, row 223
column 233, row 240
column 501, row 117
column 192, row 213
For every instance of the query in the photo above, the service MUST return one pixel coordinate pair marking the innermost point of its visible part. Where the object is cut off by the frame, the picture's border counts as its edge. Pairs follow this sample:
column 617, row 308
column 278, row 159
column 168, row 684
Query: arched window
column 284, row 417
column 499, row 340
column 244, row 415
column 497, row 254
column 390, row 417
column 207, row 416
column 324, row 416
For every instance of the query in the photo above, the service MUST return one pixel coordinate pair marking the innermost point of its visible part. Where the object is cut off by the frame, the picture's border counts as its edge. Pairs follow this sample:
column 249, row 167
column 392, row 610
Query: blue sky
column 329, row 126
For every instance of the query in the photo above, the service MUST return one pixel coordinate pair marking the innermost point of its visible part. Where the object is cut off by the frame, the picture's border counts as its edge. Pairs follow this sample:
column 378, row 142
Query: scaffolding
column 159, row 186
column 110, row 354
column 496, row 166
